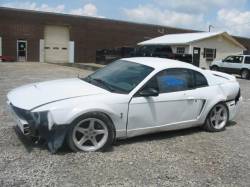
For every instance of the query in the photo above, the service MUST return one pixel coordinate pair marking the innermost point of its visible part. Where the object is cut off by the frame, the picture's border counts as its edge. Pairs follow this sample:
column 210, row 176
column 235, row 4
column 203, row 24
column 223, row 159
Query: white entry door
column 21, row 50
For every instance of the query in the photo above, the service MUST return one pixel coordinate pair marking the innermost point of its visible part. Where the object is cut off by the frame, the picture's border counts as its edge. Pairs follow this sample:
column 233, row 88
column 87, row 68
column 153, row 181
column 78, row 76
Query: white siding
column 41, row 46
column 71, row 51
column 223, row 47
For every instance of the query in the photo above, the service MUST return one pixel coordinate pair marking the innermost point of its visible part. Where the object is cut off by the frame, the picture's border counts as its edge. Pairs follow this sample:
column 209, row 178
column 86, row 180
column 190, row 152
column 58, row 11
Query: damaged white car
column 127, row 98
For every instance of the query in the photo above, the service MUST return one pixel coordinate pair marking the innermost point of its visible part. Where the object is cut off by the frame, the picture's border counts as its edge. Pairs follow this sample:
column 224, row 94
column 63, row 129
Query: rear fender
column 220, row 97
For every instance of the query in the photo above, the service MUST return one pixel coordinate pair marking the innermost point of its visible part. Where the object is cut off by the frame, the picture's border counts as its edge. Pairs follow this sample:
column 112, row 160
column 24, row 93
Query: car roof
column 238, row 55
column 161, row 63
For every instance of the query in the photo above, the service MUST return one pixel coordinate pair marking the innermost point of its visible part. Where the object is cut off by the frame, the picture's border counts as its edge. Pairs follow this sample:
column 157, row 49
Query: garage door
column 56, row 44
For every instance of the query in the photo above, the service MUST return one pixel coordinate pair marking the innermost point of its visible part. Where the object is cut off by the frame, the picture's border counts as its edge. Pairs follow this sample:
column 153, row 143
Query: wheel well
column 243, row 69
column 94, row 112
column 98, row 112
column 220, row 102
column 214, row 66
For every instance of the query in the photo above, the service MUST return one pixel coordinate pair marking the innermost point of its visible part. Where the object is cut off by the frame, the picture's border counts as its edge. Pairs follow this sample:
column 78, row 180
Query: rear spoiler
column 222, row 75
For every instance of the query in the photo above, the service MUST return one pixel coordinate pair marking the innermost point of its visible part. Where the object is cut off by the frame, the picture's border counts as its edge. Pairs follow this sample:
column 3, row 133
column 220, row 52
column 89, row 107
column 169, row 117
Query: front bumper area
column 54, row 137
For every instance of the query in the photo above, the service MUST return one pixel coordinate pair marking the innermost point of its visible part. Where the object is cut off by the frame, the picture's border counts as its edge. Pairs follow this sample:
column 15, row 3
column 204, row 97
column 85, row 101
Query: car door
column 232, row 64
column 174, row 104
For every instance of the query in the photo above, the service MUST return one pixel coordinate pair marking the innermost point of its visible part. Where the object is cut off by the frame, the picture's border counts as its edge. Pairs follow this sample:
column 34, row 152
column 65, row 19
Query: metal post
column 209, row 27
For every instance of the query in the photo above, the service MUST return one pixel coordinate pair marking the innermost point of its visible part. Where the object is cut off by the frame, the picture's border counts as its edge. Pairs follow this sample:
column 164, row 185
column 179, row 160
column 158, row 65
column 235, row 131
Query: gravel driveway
column 189, row 157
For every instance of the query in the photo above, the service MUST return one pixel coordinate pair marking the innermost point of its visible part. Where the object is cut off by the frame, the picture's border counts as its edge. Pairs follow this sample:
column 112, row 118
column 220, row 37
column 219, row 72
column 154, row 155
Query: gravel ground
column 189, row 157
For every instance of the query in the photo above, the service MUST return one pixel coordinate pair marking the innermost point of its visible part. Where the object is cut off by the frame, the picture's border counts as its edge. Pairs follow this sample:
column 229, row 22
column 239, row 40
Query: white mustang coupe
column 130, row 97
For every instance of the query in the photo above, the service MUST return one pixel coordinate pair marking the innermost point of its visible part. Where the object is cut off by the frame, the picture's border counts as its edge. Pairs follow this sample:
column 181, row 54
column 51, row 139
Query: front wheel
column 217, row 118
column 91, row 132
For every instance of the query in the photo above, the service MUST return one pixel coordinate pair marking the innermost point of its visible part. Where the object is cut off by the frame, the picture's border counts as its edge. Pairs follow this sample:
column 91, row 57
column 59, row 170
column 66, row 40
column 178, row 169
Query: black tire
column 215, row 68
column 209, row 125
column 99, row 116
column 245, row 74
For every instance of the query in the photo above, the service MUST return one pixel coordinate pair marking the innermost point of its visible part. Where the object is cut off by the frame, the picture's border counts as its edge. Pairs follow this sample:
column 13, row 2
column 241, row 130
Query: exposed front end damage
column 39, row 126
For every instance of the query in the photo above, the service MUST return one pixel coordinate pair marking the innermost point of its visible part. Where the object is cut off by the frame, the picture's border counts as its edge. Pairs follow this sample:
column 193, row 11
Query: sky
column 232, row 16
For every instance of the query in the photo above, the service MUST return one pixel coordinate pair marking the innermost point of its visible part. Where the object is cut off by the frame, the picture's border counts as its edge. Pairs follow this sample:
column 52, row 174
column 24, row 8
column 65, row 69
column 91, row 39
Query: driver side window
column 172, row 80
column 176, row 79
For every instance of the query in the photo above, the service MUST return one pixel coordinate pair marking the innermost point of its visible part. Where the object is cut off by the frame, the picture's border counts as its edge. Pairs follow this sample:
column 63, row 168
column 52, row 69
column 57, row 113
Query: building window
column 180, row 50
column 209, row 54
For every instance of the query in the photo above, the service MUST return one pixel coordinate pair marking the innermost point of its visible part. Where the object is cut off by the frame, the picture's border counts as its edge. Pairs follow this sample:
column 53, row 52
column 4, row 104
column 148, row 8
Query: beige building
column 204, row 46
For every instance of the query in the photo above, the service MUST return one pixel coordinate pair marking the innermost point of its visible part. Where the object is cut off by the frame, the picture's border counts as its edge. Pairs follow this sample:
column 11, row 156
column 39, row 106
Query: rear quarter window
column 247, row 60
column 199, row 80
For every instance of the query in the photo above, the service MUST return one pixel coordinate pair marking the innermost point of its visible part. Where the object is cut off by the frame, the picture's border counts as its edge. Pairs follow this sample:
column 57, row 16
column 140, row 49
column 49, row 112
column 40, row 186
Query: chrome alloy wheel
column 90, row 134
column 219, row 116
column 244, row 74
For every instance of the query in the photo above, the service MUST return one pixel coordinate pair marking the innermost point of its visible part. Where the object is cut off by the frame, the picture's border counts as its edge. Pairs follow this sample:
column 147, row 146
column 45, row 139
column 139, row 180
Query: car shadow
column 231, row 123
column 165, row 135
column 159, row 136
column 239, row 77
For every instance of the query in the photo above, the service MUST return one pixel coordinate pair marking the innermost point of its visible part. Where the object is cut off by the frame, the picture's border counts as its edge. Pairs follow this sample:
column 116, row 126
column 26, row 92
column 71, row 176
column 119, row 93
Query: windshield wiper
column 103, row 83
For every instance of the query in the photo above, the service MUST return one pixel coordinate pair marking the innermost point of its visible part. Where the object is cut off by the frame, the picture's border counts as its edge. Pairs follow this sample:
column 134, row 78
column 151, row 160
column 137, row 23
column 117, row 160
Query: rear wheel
column 91, row 132
column 217, row 118
column 245, row 74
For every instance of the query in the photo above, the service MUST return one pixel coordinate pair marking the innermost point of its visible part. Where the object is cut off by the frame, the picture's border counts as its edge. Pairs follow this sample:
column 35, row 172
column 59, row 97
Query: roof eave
column 163, row 43
column 229, row 37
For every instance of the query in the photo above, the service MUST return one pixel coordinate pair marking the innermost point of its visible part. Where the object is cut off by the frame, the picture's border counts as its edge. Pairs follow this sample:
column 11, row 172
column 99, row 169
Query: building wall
column 12, row 30
column 223, row 48
column 88, row 34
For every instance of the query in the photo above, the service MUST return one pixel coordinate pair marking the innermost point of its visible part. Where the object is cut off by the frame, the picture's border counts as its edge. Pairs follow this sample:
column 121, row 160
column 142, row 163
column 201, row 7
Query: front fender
column 66, row 115
column 66, row 111
column 61, row 114
column 93, row 107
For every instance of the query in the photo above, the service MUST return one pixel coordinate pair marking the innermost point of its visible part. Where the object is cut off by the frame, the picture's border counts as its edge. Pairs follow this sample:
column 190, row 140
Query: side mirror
column 149, row 92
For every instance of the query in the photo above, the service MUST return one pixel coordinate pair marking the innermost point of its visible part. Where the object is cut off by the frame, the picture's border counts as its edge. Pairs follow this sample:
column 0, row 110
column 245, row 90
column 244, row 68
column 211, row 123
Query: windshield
column 120, row 76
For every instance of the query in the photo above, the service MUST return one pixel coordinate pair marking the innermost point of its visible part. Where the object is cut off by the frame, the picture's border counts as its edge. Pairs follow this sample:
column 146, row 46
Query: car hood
column 34, row 95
